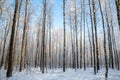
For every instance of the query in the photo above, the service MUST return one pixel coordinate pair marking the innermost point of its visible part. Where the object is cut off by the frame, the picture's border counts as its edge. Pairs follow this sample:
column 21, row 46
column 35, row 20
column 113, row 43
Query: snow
column 57, row 74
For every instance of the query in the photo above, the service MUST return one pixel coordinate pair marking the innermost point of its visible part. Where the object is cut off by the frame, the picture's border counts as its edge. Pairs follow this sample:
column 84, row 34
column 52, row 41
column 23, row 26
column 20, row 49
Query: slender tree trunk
column 72, row 46
column 81, row 37
column 104, row 31
column 90, row 44
column 111, row 63
column 92, row 38
column 6, row 58
column 50, row 38
column 38, row 46
column 96, row 40
column 4, row 45
column 76, row 35
column 26, row 46
column 113, row 37
column 46, row 36
column 24, row 38
column 84, row 35
column 43, row 36
column 64, row 50
column 10, row 58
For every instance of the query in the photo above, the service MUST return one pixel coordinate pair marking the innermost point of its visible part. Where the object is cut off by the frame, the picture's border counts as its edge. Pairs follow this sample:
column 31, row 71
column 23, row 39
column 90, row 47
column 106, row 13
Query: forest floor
column 57, row 74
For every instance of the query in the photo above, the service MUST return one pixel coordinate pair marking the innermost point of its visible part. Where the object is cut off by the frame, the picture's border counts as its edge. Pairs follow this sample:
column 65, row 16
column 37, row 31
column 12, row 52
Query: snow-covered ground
column 70, row 74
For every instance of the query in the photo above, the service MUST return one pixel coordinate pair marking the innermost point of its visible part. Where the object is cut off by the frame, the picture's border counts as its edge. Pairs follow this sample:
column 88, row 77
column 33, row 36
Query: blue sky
column 57, row 11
